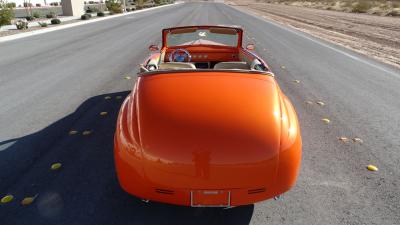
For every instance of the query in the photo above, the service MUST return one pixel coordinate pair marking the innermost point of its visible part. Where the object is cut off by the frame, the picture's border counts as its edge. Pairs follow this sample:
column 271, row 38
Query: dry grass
column 361, row 7
column 378, row 7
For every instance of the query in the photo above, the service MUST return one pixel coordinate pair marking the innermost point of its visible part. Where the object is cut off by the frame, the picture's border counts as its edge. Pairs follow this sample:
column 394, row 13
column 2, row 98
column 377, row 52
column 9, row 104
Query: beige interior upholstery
column 232, row 66
column 176, row 65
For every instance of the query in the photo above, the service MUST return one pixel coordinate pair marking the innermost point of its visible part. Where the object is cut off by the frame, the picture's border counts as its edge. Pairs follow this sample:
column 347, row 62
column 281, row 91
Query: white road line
column 61, row 27
column 298, row 33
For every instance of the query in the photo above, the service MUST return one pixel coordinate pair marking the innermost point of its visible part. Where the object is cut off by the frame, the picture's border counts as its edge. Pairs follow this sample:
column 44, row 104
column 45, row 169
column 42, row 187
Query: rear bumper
column 133, row 180
column 140, row 187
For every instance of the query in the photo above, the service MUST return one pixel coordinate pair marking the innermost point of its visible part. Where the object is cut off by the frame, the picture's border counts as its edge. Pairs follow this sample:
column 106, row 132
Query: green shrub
column 55, row 21
column 85, row 17
column 6, row 15
column 114, row 6
column 100, row 14
column 29, row 18
column 36, row 14
column 361, row 7
column 43, row 24
column 92, row 10
column 11, row 5
column 51, row 15
column 21, row 25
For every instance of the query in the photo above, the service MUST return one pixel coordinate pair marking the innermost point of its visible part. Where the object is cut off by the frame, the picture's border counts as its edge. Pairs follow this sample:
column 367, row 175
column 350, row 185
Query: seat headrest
column 176, row 65
column 232, row 65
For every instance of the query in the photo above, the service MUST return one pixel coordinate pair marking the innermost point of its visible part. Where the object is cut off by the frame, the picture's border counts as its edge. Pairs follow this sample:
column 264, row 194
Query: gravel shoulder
column 374, row 36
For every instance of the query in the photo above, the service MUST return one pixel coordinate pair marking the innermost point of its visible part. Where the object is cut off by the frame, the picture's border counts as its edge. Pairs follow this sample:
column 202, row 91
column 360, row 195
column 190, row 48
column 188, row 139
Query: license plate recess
column 210, row 198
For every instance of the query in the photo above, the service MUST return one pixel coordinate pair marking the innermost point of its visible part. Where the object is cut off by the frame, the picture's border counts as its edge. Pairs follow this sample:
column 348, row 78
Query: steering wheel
column 180, row 55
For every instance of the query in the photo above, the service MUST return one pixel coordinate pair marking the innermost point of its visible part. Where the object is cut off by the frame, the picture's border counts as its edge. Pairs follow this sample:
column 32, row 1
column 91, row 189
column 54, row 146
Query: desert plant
column 55, row 21
column 100, row 14
column 114, row 6
column 36, row 14
column 393, row 13
column 21, row 25
column 361, row 7
column 43, row 24
column 29, row 18
column 396, row 4
column 85, row 17
column 11, row 5
column 6, row 13
column 51, row 14
column 92, row 10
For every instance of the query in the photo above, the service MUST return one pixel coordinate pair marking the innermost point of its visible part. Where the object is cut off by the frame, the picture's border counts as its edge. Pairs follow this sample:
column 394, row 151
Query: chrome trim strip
column 156, row 72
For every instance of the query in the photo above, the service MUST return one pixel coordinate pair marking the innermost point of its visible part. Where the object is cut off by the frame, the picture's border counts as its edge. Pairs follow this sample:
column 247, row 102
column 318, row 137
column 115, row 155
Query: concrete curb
column 61, row 27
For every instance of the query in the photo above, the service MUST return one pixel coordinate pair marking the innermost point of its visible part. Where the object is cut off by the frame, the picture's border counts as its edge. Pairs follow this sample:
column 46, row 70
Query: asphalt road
column 55, row 82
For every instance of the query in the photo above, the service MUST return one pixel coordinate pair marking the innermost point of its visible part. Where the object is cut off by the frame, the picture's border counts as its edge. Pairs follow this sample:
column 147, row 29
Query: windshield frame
column 168, row 30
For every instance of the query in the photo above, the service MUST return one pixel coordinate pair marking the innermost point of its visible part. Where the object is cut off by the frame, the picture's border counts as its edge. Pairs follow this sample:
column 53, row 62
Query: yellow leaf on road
column 118, row 97
column 86, row 132
column 107, row 97
column 56, row 166
column 320, row 103
column 7, row 199
column 283, row 67
column 27, row 200
column 127, row 78
column 296, row 81
column 357, row 140
column 103, row 113
column 309, row 102
column 325, row 120
column 73, row 132
column 372, row 168
column 344, row 139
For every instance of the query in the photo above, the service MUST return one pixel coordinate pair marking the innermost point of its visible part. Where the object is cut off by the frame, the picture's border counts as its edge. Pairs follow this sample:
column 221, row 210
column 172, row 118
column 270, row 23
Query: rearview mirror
column 153, row 48
column 250, row 47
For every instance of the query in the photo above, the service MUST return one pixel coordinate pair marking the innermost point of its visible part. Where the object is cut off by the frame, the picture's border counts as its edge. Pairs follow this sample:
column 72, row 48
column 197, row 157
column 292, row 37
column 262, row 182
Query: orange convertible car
column 206, row 124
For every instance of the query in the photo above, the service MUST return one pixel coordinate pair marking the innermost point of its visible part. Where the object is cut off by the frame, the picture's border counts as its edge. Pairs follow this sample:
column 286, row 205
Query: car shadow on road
column 85, row 189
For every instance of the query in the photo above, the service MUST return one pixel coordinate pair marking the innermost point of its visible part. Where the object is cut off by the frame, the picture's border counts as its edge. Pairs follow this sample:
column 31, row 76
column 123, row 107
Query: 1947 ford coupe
column 206, row 124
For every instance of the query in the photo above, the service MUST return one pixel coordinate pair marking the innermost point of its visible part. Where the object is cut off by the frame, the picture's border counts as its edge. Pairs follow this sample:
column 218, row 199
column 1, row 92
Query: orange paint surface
column 207, row 138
